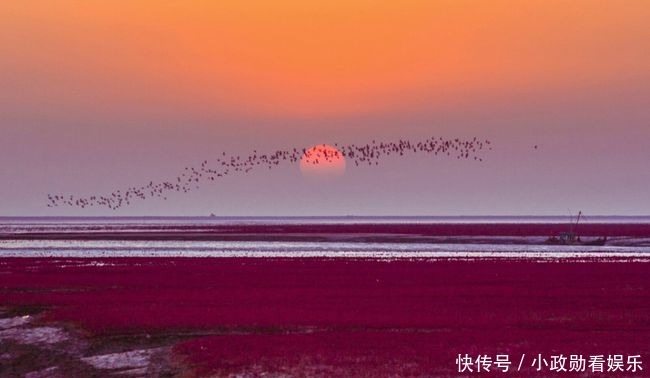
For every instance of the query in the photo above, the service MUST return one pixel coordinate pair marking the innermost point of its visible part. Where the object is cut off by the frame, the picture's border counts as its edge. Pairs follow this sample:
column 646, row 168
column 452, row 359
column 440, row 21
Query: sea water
column 626, row 248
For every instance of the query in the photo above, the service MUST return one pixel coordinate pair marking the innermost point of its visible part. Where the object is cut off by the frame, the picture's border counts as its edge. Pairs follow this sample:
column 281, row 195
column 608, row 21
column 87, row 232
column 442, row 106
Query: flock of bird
column 192, row 177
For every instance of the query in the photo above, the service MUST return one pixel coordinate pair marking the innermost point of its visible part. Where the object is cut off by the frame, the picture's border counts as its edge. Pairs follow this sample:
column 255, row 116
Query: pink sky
column 97, row 96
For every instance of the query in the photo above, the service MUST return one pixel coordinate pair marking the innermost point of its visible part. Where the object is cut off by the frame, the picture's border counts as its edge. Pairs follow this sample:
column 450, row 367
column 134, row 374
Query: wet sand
column 340, row 317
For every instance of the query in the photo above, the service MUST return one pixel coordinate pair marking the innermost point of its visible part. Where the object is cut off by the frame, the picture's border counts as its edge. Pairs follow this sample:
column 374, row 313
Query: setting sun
column 322, row 160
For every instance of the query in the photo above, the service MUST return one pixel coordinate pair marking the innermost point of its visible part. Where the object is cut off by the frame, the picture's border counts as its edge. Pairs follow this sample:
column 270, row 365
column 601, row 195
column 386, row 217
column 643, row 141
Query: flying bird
column 192, row 178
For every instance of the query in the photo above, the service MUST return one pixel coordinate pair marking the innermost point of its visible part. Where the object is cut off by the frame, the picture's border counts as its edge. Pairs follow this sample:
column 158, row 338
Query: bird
column 191, row 178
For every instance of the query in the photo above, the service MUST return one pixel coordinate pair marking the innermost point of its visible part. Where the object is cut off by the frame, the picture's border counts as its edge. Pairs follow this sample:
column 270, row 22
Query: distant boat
column 571, row 237
column 212, row 215
column 568, row 238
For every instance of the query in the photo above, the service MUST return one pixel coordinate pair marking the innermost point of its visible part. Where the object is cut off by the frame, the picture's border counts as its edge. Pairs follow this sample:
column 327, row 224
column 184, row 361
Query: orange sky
column 317, row 57
column 97, row 95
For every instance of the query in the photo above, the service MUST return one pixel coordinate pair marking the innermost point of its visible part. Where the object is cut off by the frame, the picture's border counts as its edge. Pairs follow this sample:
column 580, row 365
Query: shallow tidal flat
column 312, row 316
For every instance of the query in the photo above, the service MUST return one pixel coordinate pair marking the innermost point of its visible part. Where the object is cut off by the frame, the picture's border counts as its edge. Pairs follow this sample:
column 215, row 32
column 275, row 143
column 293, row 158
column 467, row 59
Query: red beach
column 344, row 317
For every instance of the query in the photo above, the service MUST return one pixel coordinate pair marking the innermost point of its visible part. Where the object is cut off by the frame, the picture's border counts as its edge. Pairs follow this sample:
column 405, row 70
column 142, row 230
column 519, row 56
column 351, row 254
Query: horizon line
column 326, row 216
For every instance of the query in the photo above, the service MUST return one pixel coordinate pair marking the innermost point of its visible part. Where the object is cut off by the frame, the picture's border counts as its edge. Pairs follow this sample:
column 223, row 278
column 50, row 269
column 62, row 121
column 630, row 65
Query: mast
column 577, row 220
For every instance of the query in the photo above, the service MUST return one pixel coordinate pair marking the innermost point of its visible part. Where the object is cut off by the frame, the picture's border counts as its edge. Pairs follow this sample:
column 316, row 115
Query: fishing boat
column 571, row 236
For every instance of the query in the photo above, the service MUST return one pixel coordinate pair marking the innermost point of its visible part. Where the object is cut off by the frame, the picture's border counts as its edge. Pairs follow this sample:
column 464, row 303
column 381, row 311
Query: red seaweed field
column 343, row 317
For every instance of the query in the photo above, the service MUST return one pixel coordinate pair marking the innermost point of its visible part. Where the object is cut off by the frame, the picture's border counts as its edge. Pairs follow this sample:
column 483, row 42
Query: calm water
column 639, row 250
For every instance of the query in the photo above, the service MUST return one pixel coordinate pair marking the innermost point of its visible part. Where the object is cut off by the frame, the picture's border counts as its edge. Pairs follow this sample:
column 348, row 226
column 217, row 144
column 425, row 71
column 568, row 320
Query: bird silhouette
column 191, row 178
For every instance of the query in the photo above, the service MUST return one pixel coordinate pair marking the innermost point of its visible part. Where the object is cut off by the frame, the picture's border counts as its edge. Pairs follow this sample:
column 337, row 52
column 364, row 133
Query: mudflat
column 338, row 317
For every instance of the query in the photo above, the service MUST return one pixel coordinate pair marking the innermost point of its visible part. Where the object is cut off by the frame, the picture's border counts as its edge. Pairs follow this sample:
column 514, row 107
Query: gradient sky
column 100, row 95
